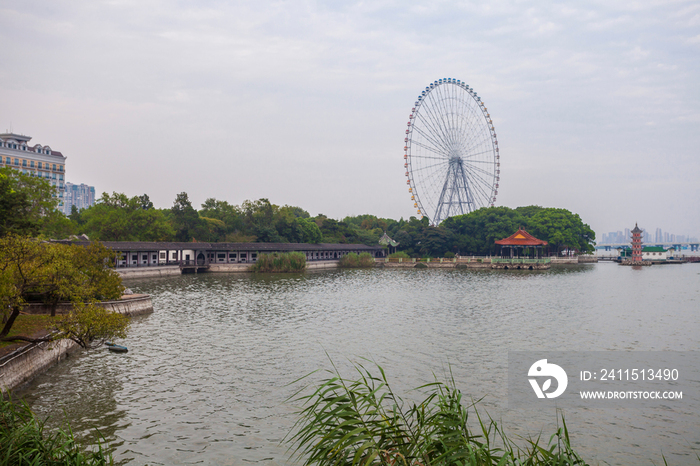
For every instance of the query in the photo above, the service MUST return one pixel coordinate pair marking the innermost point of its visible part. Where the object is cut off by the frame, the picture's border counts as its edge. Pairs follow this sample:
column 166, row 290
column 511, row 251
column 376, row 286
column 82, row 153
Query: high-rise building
column 36, row 160
column 81, row 196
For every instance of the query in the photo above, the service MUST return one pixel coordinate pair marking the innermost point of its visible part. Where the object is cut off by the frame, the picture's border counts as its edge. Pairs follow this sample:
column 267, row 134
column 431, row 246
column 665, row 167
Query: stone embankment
column 164, row 271
column 130, row 305
column 440, row 263
column 458, row 263
column 637, row 263
column 147, row 272
column 483, row 262
column 25, row 363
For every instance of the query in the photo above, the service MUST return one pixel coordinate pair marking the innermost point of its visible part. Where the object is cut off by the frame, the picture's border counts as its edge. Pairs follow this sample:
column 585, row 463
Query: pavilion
column 521, row 239
column 516, row 244
column 385, row 240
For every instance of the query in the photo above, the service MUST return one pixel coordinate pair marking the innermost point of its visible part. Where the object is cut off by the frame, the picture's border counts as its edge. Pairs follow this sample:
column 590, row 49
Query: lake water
column 207, row 374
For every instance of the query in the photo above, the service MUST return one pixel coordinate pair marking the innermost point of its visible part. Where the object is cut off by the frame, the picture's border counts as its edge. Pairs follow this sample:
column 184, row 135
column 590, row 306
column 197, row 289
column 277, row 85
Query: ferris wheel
column 451, row 152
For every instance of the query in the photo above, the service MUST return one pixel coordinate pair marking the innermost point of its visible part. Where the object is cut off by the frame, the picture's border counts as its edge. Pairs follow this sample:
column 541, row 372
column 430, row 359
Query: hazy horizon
column 305, row 103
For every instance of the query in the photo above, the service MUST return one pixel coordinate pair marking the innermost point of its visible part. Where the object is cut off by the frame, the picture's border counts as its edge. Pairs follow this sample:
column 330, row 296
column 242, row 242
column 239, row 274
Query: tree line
column 117, row 217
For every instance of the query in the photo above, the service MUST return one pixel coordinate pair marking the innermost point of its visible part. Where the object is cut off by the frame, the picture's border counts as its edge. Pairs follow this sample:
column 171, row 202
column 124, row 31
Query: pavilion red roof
column 521, row 238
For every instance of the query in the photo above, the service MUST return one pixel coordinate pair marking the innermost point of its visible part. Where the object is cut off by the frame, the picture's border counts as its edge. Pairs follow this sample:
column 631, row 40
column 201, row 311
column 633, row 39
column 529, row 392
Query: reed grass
column 286, row 262
column 24, row 441
column 352, row 260
column 362, row 421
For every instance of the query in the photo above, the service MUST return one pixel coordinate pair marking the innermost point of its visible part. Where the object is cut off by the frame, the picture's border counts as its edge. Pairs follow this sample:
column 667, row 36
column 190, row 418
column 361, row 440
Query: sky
column 596, row 103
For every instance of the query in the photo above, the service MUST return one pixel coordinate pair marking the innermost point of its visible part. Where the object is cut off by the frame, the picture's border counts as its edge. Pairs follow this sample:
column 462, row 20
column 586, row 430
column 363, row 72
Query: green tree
column 435, row 241
column 22, row 264
column 50, row 272
column 227, row 213
column 310, row 233
column 90, row 325
column 215, row 229
column 477, row 232
column 150, row 225
column 330, row 229
column 409, row 234
column 297, row 212
column 24, row 200
column 145, row 202
column 55, row 225
column 186, row 220
column 117, row 217
column 562, row 229
column 74, row 213
column 259, row 217
column 108, row 219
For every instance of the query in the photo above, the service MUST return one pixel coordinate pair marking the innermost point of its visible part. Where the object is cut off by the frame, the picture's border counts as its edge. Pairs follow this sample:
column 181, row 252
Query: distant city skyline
column 658, row 236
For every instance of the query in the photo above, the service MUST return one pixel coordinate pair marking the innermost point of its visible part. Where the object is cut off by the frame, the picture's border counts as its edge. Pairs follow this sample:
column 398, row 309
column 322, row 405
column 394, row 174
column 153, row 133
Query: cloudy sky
column 596, row 104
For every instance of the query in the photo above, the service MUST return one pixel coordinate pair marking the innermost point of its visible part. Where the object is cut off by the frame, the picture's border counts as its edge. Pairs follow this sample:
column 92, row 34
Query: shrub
column 25, row 441
column 352, row 260
column 285, row 262
column 363, row 422
column 399, row 254
column 90, row 325
column 449, row 255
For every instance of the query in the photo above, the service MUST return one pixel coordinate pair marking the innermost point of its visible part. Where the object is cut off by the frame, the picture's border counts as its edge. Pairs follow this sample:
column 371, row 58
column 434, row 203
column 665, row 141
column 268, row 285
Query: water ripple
column 206, row 377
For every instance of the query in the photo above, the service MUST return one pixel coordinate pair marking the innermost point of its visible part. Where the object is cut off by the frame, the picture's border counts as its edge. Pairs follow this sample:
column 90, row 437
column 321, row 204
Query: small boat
column 116, row 348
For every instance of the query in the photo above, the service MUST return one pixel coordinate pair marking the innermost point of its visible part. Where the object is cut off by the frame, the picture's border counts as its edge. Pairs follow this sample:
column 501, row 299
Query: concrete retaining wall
column 131, row 305
column 412, row 265
column 466, row 263
column 245, row 268
column 145, row 272
column 228, row 268
column 457, row 263
column 25, row 363
column 322, row 265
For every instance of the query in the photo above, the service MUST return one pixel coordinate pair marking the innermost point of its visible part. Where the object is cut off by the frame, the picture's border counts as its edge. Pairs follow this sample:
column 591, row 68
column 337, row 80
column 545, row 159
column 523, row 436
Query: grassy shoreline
column 354, row 261
column 26, row 325
column 286, row 262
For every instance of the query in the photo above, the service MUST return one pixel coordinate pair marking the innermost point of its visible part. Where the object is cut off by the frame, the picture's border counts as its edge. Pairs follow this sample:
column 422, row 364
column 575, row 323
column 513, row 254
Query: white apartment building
column 34, row 160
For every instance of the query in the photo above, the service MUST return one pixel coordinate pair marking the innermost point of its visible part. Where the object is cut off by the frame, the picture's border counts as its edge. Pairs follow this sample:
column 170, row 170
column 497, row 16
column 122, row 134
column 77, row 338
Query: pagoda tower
column 637, row 244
